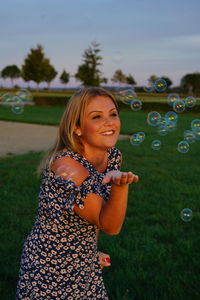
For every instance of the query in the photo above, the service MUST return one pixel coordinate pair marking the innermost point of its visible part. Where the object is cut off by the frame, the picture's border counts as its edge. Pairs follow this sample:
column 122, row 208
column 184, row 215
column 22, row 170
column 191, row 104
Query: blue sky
column 140, row 37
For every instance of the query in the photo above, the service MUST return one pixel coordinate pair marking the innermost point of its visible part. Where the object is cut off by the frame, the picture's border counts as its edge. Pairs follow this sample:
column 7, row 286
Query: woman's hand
column 120, row 178
column 104, row 259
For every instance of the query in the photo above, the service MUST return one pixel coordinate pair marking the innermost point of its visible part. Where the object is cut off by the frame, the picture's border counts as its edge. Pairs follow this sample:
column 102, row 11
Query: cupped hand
column 120, row 178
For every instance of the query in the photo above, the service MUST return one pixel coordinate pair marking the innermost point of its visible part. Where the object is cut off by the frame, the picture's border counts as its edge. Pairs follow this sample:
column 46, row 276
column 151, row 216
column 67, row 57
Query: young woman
column 82, row 191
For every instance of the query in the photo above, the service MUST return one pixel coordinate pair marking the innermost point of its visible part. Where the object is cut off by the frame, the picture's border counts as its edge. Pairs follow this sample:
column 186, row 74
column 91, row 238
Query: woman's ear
column 77, row 131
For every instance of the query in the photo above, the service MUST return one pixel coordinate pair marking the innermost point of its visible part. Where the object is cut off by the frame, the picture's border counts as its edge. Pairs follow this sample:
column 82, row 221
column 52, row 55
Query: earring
column 78, row 133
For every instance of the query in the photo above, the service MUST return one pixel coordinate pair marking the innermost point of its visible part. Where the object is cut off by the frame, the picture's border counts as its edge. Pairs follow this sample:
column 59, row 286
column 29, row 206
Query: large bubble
column 153, row 118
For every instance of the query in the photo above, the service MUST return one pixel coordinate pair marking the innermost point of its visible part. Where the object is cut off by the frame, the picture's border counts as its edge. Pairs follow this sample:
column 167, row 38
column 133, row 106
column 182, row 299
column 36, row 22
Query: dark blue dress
column 60, row 257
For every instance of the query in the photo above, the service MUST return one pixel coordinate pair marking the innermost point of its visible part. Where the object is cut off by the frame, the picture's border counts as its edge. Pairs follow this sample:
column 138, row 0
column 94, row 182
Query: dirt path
column 20, row 138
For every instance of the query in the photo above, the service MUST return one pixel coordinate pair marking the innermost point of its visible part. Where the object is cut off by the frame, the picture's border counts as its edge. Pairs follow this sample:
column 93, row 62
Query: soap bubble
column 162, row 130
column 137, row 138
column 189, row 136
column 183, row 147
column 126, row 96
column 153, row 118
column 171, row 126
column 186, row 215
column 142, row 135
column 160, row 85
column 17, row 105
column 195, row 125
column 179, row 106
column 171, row 116
column 149, row 88
column 25, row 95
column 136, row 105
column 156, row 145
column 197, row 135
column 7, row 99
column 173, row 97
column 190, row 101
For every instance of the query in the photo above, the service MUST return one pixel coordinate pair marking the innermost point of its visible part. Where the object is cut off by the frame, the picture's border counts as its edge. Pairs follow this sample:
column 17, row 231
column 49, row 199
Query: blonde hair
column 72, row 117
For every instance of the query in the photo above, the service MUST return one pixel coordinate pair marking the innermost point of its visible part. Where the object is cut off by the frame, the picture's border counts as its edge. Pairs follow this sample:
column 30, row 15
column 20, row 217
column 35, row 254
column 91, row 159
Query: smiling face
column 101, row 125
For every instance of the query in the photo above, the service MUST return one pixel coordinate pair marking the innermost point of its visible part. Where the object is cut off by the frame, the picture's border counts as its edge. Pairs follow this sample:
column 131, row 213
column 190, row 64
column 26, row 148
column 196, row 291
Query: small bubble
column 156, row 145
column 136, row 105
column 195, row 125
column 171, row 116
column 137, row 138
column 189, row 136
column 179, row 106
column 173, row 97
column 190, row 101
column 186, row 215
column 183, row 147
column 160, row 85
column 149, row 88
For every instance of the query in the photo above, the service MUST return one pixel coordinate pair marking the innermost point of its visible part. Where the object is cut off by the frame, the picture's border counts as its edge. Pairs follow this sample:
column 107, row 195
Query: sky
column 140, row 37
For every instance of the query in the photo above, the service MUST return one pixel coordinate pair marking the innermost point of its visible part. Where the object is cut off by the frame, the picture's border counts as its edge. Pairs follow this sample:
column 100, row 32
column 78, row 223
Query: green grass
column 156, row 255
column 46, row 115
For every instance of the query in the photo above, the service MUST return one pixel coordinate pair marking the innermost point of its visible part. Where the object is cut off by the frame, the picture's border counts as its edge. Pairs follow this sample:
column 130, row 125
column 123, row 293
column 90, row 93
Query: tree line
column 36, row 67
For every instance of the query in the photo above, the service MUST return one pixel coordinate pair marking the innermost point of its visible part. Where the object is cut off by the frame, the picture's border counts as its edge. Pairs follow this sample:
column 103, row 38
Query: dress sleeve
column 64, row 194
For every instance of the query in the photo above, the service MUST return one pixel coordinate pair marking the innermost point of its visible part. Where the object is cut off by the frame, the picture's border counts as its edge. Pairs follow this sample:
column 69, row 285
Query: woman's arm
column 109, row 216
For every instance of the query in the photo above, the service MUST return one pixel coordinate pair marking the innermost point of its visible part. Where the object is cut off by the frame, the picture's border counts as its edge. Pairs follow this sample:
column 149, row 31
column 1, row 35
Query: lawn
column 156, row 255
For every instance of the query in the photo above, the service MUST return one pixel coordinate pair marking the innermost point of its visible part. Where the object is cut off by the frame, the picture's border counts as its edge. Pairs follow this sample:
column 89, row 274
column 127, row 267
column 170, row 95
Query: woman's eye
column 96, row 117
column 114, row 115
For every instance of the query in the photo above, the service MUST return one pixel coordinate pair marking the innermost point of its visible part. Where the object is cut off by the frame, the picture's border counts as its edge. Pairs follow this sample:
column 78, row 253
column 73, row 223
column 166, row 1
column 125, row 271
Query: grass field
column 156, row 255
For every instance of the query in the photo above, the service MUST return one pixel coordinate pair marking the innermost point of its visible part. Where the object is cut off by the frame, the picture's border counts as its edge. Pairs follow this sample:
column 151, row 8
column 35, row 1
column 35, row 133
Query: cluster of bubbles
column 158, row 85
column 164, row 124
column 16, row 101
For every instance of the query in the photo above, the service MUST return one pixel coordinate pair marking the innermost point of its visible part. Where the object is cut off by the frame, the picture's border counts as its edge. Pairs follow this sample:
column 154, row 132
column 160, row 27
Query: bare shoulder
column 69, row 168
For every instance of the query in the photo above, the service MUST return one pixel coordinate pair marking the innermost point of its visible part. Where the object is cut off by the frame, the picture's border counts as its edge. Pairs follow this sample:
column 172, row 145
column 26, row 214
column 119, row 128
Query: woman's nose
column 108, row 121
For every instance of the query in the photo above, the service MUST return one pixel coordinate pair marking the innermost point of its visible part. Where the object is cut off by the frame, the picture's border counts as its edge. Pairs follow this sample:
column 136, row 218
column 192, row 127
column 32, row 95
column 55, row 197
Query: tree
column 168, row 80
column 36, row 67
column 130, row 80
column 49, row 72
column 88, row 72
column 152, row 78
column 11, row 72
column 119, row 77
column 190, row 83
column 64, row 77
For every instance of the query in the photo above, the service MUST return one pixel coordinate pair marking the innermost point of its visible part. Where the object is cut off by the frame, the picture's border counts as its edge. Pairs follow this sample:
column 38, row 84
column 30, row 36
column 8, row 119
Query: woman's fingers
column 104, row 259
column 120, row 178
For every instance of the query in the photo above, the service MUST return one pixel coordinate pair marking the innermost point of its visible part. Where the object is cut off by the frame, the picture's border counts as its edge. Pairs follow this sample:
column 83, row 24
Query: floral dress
column 60, row 257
